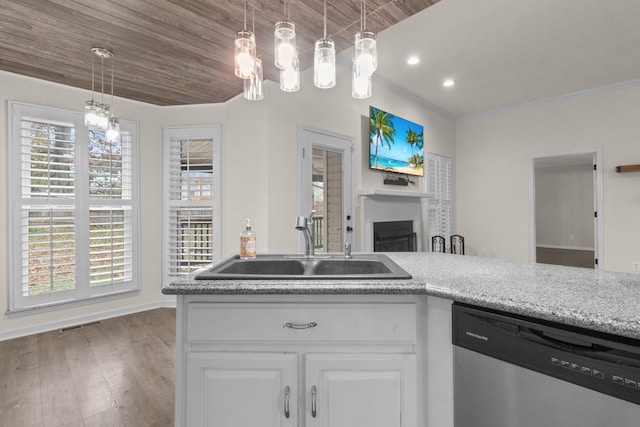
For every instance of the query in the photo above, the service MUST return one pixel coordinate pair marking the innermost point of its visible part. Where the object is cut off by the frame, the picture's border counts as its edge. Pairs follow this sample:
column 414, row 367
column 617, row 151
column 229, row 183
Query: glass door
column 325, row 187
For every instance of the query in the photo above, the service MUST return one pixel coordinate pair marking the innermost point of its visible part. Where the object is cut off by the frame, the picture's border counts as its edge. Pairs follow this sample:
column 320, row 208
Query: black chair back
column 457, row 244
column 438, row 244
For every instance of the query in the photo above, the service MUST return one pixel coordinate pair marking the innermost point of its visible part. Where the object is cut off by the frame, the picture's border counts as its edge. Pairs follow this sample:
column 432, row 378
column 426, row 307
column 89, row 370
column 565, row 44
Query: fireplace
column 394, row 236
column 382, row 206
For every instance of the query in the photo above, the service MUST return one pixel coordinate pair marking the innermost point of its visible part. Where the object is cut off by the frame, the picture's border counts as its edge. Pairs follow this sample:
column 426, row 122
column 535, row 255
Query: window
column 74, row 209
column 440, row 210
column 192, row 201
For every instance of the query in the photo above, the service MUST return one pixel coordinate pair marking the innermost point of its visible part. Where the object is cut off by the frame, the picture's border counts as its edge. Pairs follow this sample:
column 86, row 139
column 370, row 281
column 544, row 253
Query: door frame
column 598, row 246
column 338, row 143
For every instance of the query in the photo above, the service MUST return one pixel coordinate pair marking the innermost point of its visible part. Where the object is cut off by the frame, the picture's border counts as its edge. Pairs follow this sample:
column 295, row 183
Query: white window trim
column 82, row 294
column 213, row 132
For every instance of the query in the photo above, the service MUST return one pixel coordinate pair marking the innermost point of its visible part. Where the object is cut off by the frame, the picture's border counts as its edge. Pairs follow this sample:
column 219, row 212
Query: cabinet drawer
column 360, row 322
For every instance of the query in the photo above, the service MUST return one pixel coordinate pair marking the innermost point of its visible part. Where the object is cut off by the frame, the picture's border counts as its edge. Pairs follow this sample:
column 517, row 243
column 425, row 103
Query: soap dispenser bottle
column 247, row 242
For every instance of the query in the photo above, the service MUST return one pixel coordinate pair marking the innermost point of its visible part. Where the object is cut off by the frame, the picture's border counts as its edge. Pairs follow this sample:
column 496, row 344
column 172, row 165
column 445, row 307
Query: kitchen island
column 603, row 301
column 390, row 339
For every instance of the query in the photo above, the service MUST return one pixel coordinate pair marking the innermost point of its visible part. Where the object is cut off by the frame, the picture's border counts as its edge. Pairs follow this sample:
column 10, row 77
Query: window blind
column 191, row 201
column 74, row 213
column 440, row 208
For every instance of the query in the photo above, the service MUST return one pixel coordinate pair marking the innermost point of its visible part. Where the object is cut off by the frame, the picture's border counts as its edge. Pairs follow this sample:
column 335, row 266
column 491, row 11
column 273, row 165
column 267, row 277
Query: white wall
column 38, row 92
column 564, row 207
column 259, row 169
column 494, row 151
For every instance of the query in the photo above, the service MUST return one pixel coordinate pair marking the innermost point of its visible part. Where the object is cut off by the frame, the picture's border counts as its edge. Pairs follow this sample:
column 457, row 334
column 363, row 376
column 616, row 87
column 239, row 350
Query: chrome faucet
column 305, row 224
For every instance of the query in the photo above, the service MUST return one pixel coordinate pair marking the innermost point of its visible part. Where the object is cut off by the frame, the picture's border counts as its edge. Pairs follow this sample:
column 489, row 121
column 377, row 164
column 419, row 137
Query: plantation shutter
column 47, row 219
column 440, row 208
column 191, row 192
column 74, row 209
column 110, row 213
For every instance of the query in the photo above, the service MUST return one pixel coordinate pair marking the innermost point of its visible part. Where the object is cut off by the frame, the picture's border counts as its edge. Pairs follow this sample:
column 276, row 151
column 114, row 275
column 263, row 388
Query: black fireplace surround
column 394, row 236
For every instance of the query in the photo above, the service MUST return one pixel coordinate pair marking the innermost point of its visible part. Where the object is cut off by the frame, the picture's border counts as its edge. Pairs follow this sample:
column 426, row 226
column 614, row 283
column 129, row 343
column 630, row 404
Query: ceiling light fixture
column 245, row 50
column 284, row 43
column 365, row 61
column 324, row 59
column 97, row 114
column 413, row 60
column 449, row 83
column 290, row 76
column 113, row 125
column 253, row 85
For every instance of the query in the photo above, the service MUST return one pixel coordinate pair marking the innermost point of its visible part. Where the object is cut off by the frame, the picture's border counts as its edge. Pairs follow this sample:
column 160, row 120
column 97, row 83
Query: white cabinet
column 339, row 361
column 240, row 389
column 373, row 390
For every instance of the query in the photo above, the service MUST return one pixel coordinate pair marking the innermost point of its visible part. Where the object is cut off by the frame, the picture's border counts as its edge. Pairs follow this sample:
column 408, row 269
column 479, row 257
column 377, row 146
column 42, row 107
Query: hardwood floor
column 568, row 257
column 118, row 372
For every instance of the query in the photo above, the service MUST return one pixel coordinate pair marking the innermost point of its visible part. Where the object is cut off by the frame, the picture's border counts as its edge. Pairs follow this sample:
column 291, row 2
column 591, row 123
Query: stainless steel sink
column 294, row 267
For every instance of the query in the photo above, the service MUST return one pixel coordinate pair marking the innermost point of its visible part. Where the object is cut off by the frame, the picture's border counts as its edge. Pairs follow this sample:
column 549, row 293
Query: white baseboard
column 79, row 320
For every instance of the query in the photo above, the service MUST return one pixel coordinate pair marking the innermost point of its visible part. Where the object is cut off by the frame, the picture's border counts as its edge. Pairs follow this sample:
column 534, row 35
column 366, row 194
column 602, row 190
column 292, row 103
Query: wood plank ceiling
column 170, row 52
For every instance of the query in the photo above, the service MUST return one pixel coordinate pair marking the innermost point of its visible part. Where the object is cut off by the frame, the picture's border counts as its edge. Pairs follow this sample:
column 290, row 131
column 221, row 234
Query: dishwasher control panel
column 597, row 362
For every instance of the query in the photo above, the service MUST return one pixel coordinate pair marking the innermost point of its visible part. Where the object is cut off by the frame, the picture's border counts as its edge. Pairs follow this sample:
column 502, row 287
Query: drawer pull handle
column 287, row 390
column 313, row 401
column 300, row 325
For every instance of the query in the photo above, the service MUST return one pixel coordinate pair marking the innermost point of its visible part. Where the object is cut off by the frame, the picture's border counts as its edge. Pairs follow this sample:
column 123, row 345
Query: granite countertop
column 598, row 300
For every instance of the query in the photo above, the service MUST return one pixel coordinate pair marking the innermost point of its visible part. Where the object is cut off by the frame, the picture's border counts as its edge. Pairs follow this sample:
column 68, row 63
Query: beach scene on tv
column 395, row 144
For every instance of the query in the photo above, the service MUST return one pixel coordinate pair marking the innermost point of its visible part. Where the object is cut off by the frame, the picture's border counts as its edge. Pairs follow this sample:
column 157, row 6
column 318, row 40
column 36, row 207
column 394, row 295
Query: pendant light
column 365, row 60
column 245, row 50
column 290, row 76
column 91, row 107
column 97, row 114
column 253, row 85
column 360, row 83
column 284, row 42
column 113, row 126
column 324, row 59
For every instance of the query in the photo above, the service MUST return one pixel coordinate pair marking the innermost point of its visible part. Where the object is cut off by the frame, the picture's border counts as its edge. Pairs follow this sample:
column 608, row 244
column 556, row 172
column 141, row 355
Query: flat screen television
column 395, row 144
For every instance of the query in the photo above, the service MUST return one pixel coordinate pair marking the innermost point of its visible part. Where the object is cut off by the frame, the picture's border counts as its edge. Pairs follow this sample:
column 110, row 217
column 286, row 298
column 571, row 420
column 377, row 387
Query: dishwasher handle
column 580, row 347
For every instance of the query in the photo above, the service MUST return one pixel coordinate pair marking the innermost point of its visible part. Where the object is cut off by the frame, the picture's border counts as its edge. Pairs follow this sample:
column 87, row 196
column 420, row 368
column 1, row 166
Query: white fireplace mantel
column 380, row 192
column 380, row 205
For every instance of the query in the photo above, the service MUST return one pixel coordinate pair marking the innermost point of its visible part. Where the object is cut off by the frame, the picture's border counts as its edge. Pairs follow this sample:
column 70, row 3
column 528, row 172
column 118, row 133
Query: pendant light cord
column 92, row 75
column 112, row 86
column 325, row 19
column 244, row 27
column 102, row 79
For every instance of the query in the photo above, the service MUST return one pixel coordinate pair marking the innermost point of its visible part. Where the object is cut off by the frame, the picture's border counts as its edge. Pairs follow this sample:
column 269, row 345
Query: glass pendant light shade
column 290, row 77
column 113, row 129
column 92, row 109
column 366, row 55
column 104, row 114
column 245, row 54
column 253, row 85
column 284, row 44
column 360, row 84
column 324, row 64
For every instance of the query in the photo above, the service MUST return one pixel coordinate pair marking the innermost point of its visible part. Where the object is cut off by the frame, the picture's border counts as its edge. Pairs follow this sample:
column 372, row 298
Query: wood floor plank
column 94, row 395
column 118, row 373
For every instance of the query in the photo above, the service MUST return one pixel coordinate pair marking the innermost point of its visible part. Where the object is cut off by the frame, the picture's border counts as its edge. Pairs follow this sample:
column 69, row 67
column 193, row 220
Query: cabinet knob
column 309, row 325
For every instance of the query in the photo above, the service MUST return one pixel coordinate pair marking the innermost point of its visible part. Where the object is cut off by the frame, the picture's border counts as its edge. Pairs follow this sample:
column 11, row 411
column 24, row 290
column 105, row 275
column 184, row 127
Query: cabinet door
column 373, row 390
column 241, row 389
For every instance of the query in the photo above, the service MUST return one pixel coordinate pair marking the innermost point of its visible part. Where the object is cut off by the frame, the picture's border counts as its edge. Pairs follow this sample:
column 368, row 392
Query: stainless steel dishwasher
column 513, row 371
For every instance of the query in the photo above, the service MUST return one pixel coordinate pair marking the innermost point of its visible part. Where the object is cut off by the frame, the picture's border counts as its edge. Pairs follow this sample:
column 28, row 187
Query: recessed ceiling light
column 448, row 83
column 413, row 60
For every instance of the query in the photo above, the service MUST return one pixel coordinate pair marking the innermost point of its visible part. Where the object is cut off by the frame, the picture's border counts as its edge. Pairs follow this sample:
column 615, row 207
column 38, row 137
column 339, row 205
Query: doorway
column 325, row 165
column 566, row 209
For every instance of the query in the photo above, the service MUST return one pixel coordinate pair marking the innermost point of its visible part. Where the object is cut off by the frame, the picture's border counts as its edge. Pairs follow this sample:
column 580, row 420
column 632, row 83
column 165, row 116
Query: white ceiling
column 503, row 53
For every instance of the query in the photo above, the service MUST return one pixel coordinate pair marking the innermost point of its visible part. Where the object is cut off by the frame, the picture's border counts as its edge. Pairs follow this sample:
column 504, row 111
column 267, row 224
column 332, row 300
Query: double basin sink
column 297, row 267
